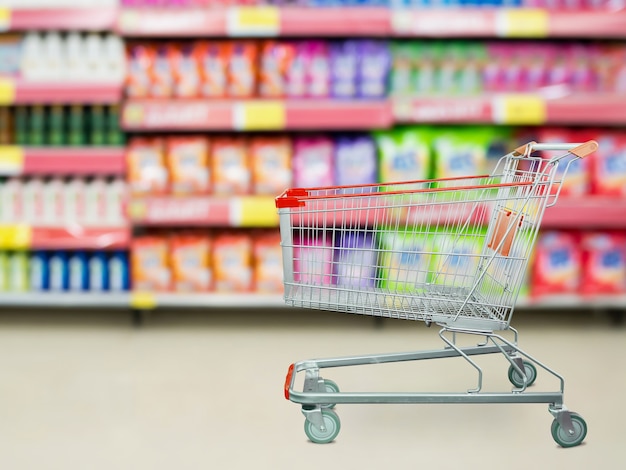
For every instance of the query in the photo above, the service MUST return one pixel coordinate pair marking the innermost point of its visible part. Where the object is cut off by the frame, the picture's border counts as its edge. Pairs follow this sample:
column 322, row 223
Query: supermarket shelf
column 16, row 160
column 555, row 106
column 17, row 91
column 254, row 21
column 214, row 300
column 202, row 114
column 503, row 22
column 81, row 19
column 65, row 299
column 588, row 212
column 271, row 21
column 70, row 237
column 204, row 211
column 572, row 301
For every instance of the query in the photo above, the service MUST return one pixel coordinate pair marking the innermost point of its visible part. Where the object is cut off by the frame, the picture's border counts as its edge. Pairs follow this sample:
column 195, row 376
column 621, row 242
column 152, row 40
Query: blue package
column 374, row 65
column 98, row 272
column 356, row 162
column 59, row 271
column 39, row 272
column 344, row 56
column 79, row 274
column 355, row 259
column 119, row 272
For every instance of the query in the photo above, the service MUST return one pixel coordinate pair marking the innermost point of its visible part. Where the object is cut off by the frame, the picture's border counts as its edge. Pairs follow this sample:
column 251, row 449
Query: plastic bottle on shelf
column 78, row 272
column 56, row 126
column 59, row 271
column 98, row 272
column 97, row 124
column 53, row 57
column 21, row 125
column 36, row 126
column 114, row 58
column 114, row 135
column 18, row 272
column 39, row 273
column 76, row 68
column 94, row 54
column 31, row 64
column 119, row 271
column 6, row 127
column 76, row 125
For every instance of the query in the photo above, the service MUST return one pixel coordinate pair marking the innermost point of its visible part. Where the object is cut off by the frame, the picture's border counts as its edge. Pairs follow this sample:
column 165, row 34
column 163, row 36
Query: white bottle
column 32, row 67
column 54, row 57
column 114, row 59
column 75, row 66
column 115, row 194
column 94, row 52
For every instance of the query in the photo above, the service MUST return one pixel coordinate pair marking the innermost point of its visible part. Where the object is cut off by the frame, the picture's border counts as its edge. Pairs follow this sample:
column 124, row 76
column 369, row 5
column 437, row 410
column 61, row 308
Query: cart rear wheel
column 531, row 375
column 564, row 438
column 331, row 423
column 331, row 387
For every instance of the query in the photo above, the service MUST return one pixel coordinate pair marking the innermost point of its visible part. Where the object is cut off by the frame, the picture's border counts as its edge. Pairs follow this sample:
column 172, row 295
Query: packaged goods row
column 58, row 125
column 411, row 260
column 266, row 165
column 308, row 68
column 63, row 271
column 411, row 4
column 57, row 201
column 222, row 261
column 54, row 57
column 474, row 67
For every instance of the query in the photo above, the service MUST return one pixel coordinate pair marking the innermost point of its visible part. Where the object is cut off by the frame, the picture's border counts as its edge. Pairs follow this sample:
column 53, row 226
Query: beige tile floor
column 203, row 390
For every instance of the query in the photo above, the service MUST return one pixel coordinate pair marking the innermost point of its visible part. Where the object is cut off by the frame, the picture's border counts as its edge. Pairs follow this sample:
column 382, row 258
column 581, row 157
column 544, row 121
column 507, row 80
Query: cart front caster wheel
column 531, row 375
column 331, row 387
column 564, row 438
column 332, row 426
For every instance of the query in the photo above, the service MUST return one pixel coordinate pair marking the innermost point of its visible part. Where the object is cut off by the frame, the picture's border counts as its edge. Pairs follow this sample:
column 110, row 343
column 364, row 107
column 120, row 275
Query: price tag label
column 519, row 110
column 11, row 160
column 523, row 23
column 133, row 115
column 255, row 212
column 143, row 301
column 253, row 21
column 5, row 19
column 7, row 91
column 137, row 209
column 259, row 115
column 16, row 237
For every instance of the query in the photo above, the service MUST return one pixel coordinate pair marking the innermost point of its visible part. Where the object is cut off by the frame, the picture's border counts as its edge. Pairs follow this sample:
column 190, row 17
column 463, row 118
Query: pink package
column 609, row 165
column 317, row 65
column 313, row 260
column 557, row 265
column 296, row 72
column 313, row 162
column 577, row 182
column 604, row 263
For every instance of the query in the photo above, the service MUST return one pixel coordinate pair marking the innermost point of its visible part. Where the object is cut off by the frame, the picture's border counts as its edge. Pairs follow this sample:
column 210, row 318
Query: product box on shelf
column 187, row 160
column 270, row 161
column 603, row 263
column 268, row 266
column 232, row 255
column 150, row 267
column 230, row 162
column 558, row 264
column 191, row 262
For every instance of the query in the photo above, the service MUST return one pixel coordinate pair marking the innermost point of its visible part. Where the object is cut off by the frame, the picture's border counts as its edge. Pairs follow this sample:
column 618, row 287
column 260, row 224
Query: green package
column 461, row 151
column 4, row 271
column 405, row 262
column 457, row 257
column 402, row 76
column 403, row 154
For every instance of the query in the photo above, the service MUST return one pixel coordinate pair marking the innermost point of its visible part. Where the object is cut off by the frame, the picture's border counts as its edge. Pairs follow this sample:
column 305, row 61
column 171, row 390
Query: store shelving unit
column 559, row 106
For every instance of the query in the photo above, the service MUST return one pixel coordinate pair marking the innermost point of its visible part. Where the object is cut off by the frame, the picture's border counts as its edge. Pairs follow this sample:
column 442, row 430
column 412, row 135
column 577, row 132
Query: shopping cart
column 451, row 251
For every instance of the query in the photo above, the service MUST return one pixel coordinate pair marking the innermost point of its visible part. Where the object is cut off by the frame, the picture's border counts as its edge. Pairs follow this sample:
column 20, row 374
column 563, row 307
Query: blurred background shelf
column 83, row 19
column 69, row 237
column 17, row 160
column 20, row 92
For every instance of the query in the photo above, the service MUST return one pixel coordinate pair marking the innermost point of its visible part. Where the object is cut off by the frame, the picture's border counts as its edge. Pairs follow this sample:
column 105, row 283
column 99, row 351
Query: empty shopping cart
column 451, row 252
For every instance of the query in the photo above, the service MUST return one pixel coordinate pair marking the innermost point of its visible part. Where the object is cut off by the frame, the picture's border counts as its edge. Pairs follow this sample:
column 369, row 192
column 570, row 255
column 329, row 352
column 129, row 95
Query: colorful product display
column 59, row 125
column 195, row 261
column 423, row 68
column 245, row 68
column 64, row 271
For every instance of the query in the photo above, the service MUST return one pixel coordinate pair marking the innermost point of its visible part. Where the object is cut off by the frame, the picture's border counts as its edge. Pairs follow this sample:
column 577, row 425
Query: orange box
column 150, row 264
column 243, row 68
column 190, row 258
column 268, row 262
column 145, row 160
column 270, row 160
column 230, row 166
column 187, row 160
column 232, row 262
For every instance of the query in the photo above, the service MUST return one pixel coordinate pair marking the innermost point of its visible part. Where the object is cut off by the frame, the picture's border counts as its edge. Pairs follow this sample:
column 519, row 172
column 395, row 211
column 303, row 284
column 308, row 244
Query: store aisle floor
column 204, row 391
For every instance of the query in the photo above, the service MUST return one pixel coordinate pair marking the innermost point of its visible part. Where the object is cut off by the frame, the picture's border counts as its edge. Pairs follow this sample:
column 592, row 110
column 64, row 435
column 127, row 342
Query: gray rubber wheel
column 332, row 424
column 331, row 387
column 531, row 375
column 565, row 439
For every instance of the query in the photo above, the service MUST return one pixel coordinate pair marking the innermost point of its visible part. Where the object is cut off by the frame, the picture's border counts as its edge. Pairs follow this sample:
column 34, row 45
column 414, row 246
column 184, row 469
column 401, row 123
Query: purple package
column 312, row 259
column 344, row 57
column 312, row 162
column 355, row 260
column 317, row 63
column 374, row 62
column 355, row 161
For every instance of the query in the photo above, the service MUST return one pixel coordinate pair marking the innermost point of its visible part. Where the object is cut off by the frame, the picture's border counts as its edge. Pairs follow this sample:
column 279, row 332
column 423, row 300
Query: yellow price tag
column 137, row 209
column 7, row 91
column 253, row 21
column 11, row 160
column 143, row 301
column 523, row 23
column 5, row 19
column 256, row 212
column 133, row 115
column 16, row 237
column 259, row 115
column 519, row 109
